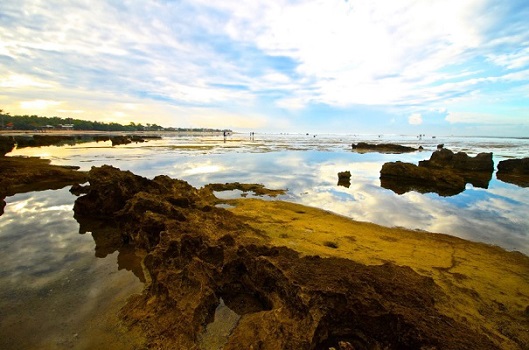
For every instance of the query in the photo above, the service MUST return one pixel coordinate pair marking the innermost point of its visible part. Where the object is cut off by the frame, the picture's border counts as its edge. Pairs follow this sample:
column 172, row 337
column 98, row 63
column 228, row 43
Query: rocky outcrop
column 44, row 140
column 363, row 147
column 446, row 159
column 124, row 140
column 120, row 140
column 444, row 173
column 515, row 171
column 19, row 175
column 344, row 178
column 198, row 254
column 514, row 167
column 405, row 177
column 6, row 145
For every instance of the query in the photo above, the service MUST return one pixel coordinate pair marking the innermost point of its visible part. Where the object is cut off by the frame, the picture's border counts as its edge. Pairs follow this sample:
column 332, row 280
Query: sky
column 434, row 67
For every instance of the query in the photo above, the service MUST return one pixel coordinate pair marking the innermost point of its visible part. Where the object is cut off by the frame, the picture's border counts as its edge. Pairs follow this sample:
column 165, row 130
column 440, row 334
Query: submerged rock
column 363, row 147
column 198, row 253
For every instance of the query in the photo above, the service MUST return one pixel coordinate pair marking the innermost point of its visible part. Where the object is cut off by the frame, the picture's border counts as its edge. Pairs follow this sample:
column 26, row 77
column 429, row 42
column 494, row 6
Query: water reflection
column 54, row 293
column 108, row 239
column 488, row 210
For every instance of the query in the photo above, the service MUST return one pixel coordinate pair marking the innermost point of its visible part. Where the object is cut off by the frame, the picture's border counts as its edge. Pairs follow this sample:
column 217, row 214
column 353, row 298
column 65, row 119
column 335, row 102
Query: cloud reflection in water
column 496, row 215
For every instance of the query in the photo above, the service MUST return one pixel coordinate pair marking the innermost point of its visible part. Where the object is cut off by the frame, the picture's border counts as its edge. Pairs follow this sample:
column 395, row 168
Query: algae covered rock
column 199, row 256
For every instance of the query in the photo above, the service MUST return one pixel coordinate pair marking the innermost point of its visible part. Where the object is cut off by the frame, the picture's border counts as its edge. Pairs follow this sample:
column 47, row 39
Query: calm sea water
column 51, row 283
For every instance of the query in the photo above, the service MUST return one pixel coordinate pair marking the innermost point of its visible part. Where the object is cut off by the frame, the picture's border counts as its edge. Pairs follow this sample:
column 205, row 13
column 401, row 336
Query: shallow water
column 54, row 292
column 52, row 286
column 307, row 166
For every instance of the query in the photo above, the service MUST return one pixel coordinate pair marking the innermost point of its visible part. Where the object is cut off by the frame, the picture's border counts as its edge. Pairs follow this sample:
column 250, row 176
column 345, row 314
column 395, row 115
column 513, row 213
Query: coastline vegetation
column 35, row 122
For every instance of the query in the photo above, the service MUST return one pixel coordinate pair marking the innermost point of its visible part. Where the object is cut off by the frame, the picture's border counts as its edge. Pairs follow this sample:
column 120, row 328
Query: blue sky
column 442, row 67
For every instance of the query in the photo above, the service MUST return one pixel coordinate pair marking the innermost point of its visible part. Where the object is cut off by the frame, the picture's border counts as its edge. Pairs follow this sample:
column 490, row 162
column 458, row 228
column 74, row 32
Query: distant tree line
column 34, row 122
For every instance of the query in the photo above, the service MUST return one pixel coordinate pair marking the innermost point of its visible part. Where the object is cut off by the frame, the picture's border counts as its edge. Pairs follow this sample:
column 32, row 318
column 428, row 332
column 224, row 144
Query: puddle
column 225, row 206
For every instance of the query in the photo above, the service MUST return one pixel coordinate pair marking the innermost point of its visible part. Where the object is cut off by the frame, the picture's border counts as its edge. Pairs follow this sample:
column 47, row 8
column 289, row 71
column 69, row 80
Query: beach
column 280, row 263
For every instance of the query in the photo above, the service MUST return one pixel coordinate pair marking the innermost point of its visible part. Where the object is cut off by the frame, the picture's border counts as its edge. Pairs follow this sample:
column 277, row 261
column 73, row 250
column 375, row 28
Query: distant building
column 65, row 126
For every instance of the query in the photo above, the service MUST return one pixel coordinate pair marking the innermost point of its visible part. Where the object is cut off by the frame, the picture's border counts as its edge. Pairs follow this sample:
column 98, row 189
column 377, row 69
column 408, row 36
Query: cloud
column 415, row 119
column 487, row 118
column 38, row 104
column 280, row 58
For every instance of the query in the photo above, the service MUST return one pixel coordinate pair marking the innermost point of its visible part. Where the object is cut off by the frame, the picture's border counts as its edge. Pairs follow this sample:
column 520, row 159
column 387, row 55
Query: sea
column 57, row 293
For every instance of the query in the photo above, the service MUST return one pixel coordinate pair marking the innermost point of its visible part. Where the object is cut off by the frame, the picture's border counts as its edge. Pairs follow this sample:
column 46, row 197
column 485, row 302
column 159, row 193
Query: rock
column 514, row 167
column 404, row 177
column 20, row 174
column 120, row 140
column 197, row 254
column 78, row 190
column 344, row 178
column 257, row 189
column 6, row 145
column 363, row 147
column 446, row 159
column 444, row 173
column 44, row 140
column 515, row 171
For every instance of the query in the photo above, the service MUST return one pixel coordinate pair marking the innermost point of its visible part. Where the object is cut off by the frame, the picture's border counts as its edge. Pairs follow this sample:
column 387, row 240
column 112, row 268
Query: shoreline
column 474, row 284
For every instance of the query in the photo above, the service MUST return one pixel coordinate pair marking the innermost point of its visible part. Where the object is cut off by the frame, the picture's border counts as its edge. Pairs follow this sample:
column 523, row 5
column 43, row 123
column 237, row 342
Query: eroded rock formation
column 444, row 173
column 198, row 253
column 363, row 147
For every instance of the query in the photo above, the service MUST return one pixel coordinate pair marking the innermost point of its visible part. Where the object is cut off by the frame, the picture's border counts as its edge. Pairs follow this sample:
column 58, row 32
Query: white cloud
column 364, row 52
column 488, row 118
column 38, row 104
column 513, row 60
column 415, row 119
column 229, row 58
column 17, row 81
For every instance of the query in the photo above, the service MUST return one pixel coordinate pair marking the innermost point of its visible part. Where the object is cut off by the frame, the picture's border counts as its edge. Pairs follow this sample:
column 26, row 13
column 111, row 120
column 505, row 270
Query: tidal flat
column 478, row 288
